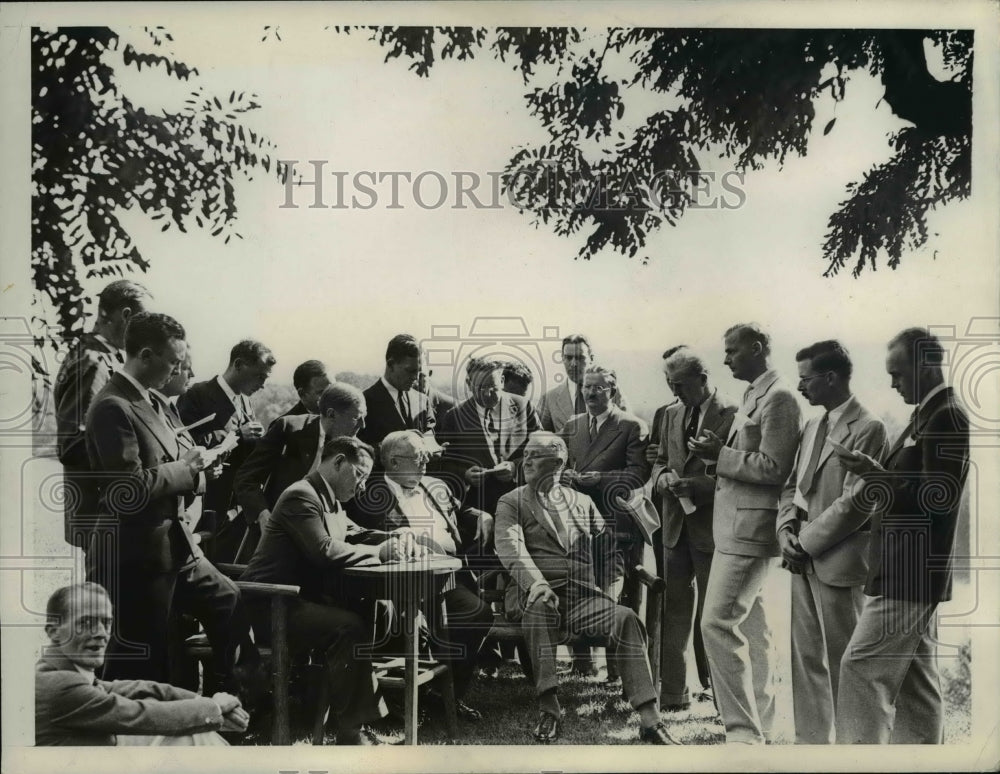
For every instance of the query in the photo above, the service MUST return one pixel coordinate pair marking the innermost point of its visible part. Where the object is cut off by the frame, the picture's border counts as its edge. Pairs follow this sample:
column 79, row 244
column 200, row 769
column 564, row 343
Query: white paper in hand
column 228, row 444
column 686, row 504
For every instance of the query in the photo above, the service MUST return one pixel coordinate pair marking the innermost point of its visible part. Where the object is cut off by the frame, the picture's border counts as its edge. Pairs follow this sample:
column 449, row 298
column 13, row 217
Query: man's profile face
column 83, row 635
column 902, row 374
column 741, row 355
column 309, row 395
column 486, row 386
column 162, row 366
column 349, row 477
column 118, row 319
column 253, row 376
column 813, row 384
column 576, row 358
column 689, row 388
column 403, row 374
column 349, row 421
column 597, row 392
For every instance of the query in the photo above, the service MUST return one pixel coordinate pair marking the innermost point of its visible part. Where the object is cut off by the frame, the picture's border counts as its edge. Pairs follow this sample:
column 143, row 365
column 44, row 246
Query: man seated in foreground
column 304, row 543
column 560, row 553
column 403, row 498
column 73, row 707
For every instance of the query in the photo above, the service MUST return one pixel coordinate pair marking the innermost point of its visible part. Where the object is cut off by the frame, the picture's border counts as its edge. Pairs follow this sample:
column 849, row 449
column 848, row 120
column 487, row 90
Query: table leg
column 411, row 603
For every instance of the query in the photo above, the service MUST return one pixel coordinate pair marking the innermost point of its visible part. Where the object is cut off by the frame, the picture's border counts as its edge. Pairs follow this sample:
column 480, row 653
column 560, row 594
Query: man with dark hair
column 565, row 400
column 74, row 708
column 823, row 531
column 305, row 543
column 657, row 424
column 85, row 370
column 687, row 492
column 216, row 408
column 290, row 449
column 393, row 402
column 309, row 380
column 751, row 465
column 890, row 689
column 141, row 539
column 517, row 378
column 486, row 434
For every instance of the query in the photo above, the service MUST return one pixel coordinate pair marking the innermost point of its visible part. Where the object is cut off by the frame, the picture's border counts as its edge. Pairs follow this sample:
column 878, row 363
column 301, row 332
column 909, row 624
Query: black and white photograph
column 534, row 384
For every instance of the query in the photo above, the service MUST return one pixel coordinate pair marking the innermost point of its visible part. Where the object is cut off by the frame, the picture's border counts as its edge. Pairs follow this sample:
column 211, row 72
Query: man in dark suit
column 563, row 401
column 305, row 543
column 607, row 457
column 309, row 380
column 141, row 540
column 558, row 550
column 289, row 450
column 823, row 533
column 393, row 403
column 752, row 464
column 84, row 372
column 890, row 688
column 226, row 400
column 403, row 497
column 486, row 434
column 73, row 707
column 687, row 493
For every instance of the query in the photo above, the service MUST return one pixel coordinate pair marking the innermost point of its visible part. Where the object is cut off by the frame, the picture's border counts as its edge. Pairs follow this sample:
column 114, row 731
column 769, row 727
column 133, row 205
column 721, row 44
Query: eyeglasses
column 808, row 379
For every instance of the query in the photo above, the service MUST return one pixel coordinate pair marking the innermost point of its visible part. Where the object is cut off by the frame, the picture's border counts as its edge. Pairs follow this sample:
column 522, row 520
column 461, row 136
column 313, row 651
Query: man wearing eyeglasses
column 823, row 533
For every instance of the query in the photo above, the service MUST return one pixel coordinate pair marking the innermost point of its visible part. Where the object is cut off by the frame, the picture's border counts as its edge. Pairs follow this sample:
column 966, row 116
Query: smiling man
column 73, row 707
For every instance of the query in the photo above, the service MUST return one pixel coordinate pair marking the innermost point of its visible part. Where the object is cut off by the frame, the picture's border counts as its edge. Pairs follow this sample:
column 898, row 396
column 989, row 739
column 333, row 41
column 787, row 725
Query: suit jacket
column 300, row 547
column 556, row 407
column 87, row 368
column 72, row 710
column 205, row 526
column 835, row 534
column 199, row 401
column 531, row 549
column 384, row 418
column 656, row 426
column 753, row 467
column 674, row 455
column 142, row 480
column 295, row 410
column 282, row 456
column 618, row 453
column 913, row 536
column 468, row 447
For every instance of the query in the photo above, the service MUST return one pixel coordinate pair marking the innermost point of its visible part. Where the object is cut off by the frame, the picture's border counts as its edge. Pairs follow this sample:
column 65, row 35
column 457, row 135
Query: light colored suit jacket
column 529, row 547
column 831, row 536
column 753, row 468
column 674, row 455
column 72, row 710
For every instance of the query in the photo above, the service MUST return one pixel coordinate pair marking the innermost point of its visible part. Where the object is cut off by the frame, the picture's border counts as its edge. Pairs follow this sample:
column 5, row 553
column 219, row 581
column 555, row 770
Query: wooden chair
column 198, row 647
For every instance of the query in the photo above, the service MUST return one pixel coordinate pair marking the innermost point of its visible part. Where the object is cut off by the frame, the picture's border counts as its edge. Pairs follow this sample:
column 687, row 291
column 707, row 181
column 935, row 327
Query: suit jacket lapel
column 840, row 432
column 323, row 495
column 605, row 435
column 449, row 516
column 542, row 516
column 145, row 413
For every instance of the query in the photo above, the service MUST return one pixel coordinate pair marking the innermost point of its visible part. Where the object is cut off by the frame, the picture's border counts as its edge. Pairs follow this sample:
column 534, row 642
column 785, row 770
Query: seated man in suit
column 309, row 380
column 304, row 544
column 558, row 550
column 823, row 533
column 393, row 402
column 290, row 449
column 486, row 434
column 226, row 399
column 687, row 543
column 74, row 708
column 84, row 371
column 403, row 498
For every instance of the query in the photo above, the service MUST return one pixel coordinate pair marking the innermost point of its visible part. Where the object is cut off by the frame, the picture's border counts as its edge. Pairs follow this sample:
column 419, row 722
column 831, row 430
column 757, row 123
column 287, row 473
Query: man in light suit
column 85, row 370
column 486, row 434
column 558, row 550
column 309, row 380
column 823, row 532
column 305, row 544
column 290, row 449
column 890, row 689
column 141, row 540
column 226, row 399
column 393, row 401
column 752, row 464
column 73, row 707
column 687, row 544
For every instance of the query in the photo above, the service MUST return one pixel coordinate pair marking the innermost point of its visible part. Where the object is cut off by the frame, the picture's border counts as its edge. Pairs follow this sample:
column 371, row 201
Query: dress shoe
column 676, row 707
column 657, row 734
column 435, row 704
column 547, row 729
column 358, row 737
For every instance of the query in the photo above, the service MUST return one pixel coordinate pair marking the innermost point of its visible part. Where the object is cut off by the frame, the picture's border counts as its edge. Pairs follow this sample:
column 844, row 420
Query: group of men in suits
column 738, row 483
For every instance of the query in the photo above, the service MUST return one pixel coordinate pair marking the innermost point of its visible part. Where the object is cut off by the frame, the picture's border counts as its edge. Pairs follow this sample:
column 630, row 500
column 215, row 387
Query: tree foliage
column 750, row 95
column 96, row 153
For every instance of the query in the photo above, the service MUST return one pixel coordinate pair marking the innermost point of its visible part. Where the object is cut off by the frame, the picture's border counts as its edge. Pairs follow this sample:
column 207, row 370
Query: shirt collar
column 927, row 398
column 393, row 392
column 768, row 374
column 600, row 417
column 88, row 673
column 398, row 490
column 836, row 413
column 114, row 350
column 135, row 383
column 333, row 496
column 227, row 389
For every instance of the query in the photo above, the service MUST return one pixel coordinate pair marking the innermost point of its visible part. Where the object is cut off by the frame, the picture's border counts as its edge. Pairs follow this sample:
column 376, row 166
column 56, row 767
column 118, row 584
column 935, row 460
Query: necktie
column 158, row 408
column 404, row 408
column 808, row 477
column 580, row 406
column 493, row 433
column 692, row 425
column 593, row 428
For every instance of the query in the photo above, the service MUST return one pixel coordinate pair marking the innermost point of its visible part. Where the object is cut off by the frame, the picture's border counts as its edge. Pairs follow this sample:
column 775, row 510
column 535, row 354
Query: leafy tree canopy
column 749, row 94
